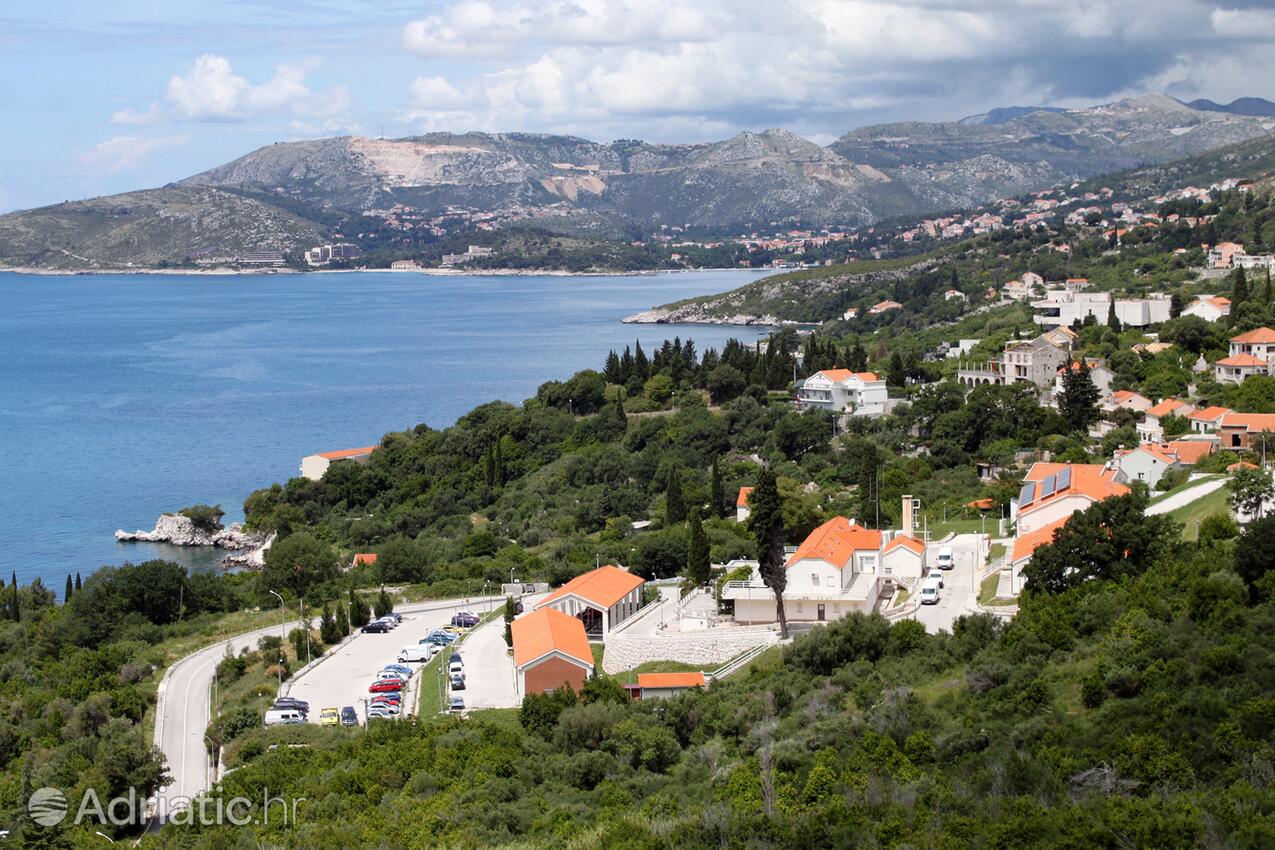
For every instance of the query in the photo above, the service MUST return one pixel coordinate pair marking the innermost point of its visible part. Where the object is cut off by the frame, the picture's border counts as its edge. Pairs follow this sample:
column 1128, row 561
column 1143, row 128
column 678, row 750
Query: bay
column 123, row 396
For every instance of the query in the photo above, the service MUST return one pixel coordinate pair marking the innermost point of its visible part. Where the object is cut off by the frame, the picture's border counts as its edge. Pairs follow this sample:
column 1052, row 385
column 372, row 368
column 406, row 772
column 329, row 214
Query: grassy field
column 598, row 651
column 995, row 553
column 1190, row 515
column 987, row 591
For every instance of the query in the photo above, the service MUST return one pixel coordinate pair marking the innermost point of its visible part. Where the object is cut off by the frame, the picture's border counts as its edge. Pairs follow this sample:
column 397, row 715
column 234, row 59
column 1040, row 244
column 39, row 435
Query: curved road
column 184, row 699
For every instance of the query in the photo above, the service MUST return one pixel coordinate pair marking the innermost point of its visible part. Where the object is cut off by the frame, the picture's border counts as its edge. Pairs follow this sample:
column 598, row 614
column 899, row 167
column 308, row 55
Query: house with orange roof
column 883, row 307
column 1127, row 400
column 1222, row 255
column 551, row 651
column 843, row 391
column 742, row 511
column 1239, row 431
column 314, row 466
column 1146, row 463
column 1251, row 354
column 1151, row 428
column 364, row 558
column 1207, row 420
column 1192, row 450
column 837, row 569
column 1210, row 308
column 665, row 685
column 1053, row 491
column 1099, row 373
column 903, row 557
column 1025, row 545
column 600, row 599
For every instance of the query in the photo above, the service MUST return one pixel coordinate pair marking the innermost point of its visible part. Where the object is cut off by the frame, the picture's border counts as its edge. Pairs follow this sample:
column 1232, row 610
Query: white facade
column 1067, row 306
column 1147, row 464
column 843, row 391
column 1210, row 308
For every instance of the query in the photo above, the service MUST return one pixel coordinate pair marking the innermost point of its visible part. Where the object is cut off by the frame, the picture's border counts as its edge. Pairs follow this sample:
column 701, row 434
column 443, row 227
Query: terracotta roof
column 1160, row 453
column 344, row 453
column 835, row 542
column 670, row 680
column 603, row 587
column 1192, row 451
column 1219, row 301
column 1241, row 465
column 1166, row 407
column 982, row 504
column 1092, row 480
column 907, row 542
column 741, row 501
column 1261, row 335
column 1209, row 414
column 1242, row 360
column 1250, row 421
column 839, row 375
column 547, row 630
column 365, row 558
column 1030, row 542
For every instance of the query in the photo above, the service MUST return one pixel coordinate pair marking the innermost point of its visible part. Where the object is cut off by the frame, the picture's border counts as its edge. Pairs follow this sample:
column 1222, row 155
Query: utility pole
column 305, row 627
column 283, row 617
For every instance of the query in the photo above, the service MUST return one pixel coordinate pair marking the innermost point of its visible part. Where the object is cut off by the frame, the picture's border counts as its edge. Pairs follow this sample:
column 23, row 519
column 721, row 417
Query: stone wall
column 709, row 648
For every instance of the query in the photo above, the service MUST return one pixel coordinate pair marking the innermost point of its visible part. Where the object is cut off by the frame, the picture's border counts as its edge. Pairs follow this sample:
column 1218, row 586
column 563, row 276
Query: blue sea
column 124, row 396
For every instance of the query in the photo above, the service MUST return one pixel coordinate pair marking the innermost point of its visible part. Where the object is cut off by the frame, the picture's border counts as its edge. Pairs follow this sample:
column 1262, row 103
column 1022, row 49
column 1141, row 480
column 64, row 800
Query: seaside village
column 910, row 571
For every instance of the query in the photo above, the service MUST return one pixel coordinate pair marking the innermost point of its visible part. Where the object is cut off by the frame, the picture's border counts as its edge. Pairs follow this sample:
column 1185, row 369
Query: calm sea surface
column 125, row 396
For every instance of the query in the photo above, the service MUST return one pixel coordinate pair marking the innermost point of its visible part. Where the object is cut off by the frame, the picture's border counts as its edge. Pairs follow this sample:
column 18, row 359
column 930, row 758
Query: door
column 821, row 613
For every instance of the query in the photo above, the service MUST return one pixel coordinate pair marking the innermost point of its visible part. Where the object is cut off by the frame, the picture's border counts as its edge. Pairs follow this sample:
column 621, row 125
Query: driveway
column 1186, row 497
column 960, row 589
column 489, row 669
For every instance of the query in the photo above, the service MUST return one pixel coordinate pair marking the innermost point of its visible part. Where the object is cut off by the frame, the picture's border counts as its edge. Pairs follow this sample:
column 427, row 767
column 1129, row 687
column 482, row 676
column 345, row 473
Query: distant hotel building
column 325, row 254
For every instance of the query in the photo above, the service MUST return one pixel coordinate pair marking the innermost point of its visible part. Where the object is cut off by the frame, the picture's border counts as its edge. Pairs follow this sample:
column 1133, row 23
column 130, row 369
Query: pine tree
column 612, row 368
column 717, row 493
column 766, row 522
column 1175, row 305
column 1266, row 289
column 489, row 467
column 1078, row 402
column 498, row 455
column 674, row 502
column 1113, row 321
column 511, row 611
column 641, row 366
column 896, row 374
column 699, row 567
column 329, row 631
column 1239, row 291
column 66, row 595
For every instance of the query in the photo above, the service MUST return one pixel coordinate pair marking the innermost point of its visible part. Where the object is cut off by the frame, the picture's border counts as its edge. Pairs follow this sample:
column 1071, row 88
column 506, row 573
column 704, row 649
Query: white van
column 930, row 591
column 945, row 561
column 283, row 716
column 417, row 652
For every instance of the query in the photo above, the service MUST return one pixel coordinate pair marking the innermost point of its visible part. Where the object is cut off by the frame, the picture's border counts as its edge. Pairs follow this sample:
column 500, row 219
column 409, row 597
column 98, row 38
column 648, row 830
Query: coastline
column 427, row 272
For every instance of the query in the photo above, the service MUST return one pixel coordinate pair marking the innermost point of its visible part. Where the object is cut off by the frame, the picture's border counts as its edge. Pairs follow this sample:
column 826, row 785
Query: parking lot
column 960, row 591
column 342, row 678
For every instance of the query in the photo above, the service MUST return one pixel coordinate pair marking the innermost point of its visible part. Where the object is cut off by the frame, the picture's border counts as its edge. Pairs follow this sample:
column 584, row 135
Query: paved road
column 960, row 591
column 1187, row 496
column 489, row 670
column 182, row 712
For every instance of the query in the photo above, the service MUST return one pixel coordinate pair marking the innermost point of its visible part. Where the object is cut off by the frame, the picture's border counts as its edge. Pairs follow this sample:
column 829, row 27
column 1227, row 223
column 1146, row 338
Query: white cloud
column 212, row 90
column 128, row 115
column 124, row 153
column 435, row 94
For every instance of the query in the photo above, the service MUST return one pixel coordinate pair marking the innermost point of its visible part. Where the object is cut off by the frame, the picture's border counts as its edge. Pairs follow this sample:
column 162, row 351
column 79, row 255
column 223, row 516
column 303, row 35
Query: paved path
column 489, row 668
column 960, row 587
column 1186, row 497
column 182, row 706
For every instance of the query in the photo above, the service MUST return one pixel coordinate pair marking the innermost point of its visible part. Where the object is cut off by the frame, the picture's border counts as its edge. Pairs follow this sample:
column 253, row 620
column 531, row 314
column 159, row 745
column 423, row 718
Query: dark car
column 385, row 685
column 458, row 683
column 518, row 608
column 288, row 702
column 464, row 621
column 376, row 627
column 349, row 717
column 456, row 704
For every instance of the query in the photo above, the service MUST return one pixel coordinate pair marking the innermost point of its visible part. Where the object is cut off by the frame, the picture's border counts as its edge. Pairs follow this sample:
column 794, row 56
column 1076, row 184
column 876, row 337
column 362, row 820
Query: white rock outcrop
column 179, row 530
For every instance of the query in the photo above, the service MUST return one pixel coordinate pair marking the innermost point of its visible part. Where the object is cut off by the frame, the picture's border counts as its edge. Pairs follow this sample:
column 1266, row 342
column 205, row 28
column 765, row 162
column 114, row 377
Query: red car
column 386, row 699
column 385, row 685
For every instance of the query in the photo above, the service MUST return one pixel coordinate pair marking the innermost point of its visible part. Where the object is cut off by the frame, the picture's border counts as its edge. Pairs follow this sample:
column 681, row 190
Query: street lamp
column 283, row 616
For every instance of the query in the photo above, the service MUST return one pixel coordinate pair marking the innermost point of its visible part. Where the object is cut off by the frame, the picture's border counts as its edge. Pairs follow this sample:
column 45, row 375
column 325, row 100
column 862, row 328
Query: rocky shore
column 177, row 530
column 696, row 314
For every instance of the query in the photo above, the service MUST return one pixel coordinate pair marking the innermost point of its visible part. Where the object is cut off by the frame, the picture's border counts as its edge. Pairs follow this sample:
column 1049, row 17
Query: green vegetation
column 206, row 518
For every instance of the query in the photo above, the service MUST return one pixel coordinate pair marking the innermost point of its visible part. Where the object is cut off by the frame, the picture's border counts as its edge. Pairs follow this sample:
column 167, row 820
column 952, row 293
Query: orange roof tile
column 1261, row 335
column 835, row 542
column 670, row 680
column 907, row 542
column 1209, row 414
column 1164, row 408
column 741, row 501
column 1091, row 480
column 1250, row 421
column 1241, row 465
column 344, row 453
column 1160, row 453
column 548, row 630
column 982, row 504
column 839, row 375
column 365, row 558
column 603, row 587
column 1242, row 360
column 1030, row 542
column 1192, row 451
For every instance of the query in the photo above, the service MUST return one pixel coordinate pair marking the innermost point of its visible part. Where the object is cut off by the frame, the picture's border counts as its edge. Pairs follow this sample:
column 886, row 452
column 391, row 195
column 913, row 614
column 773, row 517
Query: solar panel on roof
column 1047, row 486
column 1028, row 491
column 1064, row 478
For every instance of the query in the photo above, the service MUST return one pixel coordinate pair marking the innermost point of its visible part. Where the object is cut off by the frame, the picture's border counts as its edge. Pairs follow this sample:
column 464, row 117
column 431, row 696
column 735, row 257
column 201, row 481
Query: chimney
column 908, row 521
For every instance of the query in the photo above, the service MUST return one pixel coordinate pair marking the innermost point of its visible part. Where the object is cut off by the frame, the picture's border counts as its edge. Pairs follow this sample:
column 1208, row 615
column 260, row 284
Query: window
column 814, row 579
column 798, row 607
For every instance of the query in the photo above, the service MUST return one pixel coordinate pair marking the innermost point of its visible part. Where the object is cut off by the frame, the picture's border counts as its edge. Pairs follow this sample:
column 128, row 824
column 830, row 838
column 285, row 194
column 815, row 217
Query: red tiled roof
column 839, row 375
column 982, row 504
column 1241, row 465
column 1209, row 414
column 345, row 453
column 907, row 542
column 603, row 587
column 835, row 542
column 365, row 558
column 547, row 630
column 1260, row 336
column 741, row 501
column 1264, row 422
column 1192, row 451
column 1166, row 407
column 1030, row 542
column 670, row 680
column 1091, row 480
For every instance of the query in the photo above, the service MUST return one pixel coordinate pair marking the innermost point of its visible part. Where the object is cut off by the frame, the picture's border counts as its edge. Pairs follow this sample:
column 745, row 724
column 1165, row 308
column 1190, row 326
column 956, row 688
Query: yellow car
column 329, row 717
column 456, row 630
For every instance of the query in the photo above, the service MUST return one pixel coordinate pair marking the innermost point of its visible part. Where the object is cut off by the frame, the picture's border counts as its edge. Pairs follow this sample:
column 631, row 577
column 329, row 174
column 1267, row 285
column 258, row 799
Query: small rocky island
column 200, row 525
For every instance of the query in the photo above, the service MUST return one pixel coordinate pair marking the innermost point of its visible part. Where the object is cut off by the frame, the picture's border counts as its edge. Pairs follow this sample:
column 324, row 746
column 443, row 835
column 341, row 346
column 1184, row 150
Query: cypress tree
column 1266, row 290
column 896, row 374
column 13, row 593
column 1175, row 305
column 699, row 565
column 641, row 366
column 498, row 455
column 766, row 522
column 1113, row 321
column 489, row 467
column 66, row 595
column 77, row 582
column 717, row 492
column 1239, row 292
column 674, row 503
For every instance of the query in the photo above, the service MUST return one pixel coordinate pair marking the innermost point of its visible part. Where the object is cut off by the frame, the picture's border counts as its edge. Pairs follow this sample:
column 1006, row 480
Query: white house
column 1067, row 306
column 1099, row 373
column 1147, row 463
column 903, row 558
column 1053, row 491
column 1208, row 420
column 1151, row 429
column 601, row 599
column 1210, row 308
column 313, row 466
column 742, row 511
column 1251, row 354
column 843, row 391
column 1127, row 400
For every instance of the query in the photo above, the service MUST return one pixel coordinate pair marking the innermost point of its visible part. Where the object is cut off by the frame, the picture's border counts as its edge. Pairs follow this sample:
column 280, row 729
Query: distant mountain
column 1259, row 106
column 748, row 180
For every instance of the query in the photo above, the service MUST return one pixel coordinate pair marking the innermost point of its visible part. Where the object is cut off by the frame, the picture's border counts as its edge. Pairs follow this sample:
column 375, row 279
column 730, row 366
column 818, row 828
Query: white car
column 946, row 561
column 936, row 577
column 390, row 674
column 417, row 652
column 389, row 712
column 930, row 594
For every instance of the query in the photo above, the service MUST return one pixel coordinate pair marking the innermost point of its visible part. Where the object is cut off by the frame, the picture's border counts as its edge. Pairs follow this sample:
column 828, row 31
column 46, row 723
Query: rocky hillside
column 149, row 228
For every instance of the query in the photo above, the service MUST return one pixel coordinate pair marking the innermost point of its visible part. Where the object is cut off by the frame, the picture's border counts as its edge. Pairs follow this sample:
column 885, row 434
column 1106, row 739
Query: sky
column 107, row 97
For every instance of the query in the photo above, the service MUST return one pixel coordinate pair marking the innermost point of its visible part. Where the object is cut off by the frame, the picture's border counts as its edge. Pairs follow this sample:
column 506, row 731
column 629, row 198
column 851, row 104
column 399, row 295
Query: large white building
column 843, row 391
column 314, row 466
column 1066, row 306
column 1251, row 354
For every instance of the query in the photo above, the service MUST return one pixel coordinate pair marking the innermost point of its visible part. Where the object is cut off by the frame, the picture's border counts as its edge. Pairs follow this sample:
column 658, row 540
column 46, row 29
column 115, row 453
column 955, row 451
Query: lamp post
column 306, row 628
column 283, row 621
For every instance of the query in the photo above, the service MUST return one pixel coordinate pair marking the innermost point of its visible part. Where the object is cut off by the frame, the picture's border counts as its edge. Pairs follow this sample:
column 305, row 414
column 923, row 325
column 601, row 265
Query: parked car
column 283, row 717
column 464, row 620
column 393, row 698
column 946, row 561
column 401, row 668
column 288, row 702
column 390, row 674
column 456, row 704
column 329, row 717
column 383, row 712
column 387, row 620
column 376, row 627
column 395, row 616
column 458, row 682
column 440, row 637
column 936, row 576
column 929, row 594
column 518, row 608
column 349, row 717
column 455, row 666
column 419, row 652
column 381, row 686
